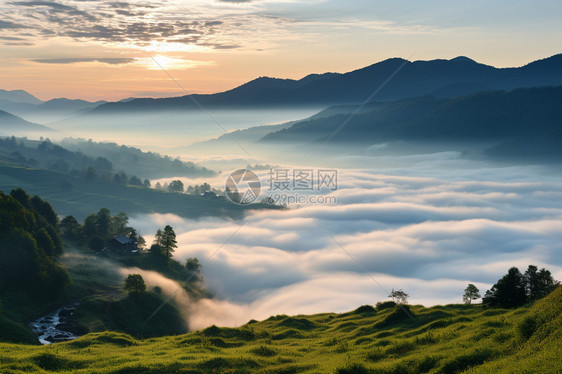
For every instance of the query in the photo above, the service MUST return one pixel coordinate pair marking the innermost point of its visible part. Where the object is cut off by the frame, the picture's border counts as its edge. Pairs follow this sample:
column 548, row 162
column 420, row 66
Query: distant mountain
column 17, row 108
column 250, row 135
column 255, row 133
column 441, row 78
column 488, row 116
column 127, row 99
column 17, row 101
column 14, row 125
column 66, row 105
column 19, row 96
column 51, row 110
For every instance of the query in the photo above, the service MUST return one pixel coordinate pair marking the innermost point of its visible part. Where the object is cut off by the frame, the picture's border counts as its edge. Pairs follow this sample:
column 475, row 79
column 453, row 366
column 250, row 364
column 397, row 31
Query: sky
column 105, row 49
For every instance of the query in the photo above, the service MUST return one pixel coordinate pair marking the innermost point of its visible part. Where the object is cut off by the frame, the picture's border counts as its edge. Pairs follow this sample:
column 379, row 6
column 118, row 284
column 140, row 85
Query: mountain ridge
column 412, row 79
column 493, row 116
column 11, row 124
column 18, row 96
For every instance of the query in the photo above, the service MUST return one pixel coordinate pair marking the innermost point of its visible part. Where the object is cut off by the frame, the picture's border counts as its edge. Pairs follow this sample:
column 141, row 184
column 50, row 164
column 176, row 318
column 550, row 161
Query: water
column 53, row 327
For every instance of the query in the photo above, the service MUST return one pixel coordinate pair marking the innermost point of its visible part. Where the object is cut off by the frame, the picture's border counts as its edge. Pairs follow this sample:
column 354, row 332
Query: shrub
column 463, row 362
column 365, row 309
column 401, row 348
column 264, row 351
column 527, row 327
column 354, row 369
column 385, row 305
column 376, row 355
column 52, row 362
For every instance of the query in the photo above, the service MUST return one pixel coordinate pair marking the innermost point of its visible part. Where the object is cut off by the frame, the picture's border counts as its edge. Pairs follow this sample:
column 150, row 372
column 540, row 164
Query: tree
column 508, row 292
column 538, row 283
column 45, row 209
column 124, row 178
column 133, row 236
column 141, row 242
column 91, row 173
column 90, row 227
column 103, row 222
column 471, row 292
column 169, row 242
column 45, row 242
column 399, row 297
column 96, row 243
column 20, row 195
column 117, row 179
column 134, row 284
column 176, row 186
column 103, row 166
column 156, row 252
column 158, row 238
column 119, row 224
column 70, row 226
column 135, row 181
column 29, row 247
column 192, row 264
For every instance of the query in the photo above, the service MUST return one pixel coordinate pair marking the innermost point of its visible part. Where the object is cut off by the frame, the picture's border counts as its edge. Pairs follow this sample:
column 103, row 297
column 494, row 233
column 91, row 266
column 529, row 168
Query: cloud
column 10, row 38
column 54, row 9
column 158, row 26
column 110, row 61
column 170, row 288
column 10, row 25
column 429, row 234
column 128, row 23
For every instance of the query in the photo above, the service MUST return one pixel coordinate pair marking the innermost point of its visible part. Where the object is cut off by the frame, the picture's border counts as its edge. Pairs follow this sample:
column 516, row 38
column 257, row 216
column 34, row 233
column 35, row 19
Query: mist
column 162, row 131
column 427, row 223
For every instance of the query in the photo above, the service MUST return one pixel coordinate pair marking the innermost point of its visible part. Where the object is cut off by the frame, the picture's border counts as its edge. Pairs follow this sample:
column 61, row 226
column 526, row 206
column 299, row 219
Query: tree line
column 515, row 289
column 74, row 163
column 99, row 228
column 512, row 290
column 177, row 185
column 30, row 247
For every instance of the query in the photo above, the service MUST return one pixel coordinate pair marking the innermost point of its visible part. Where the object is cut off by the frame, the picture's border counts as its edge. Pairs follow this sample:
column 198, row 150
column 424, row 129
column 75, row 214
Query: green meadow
column 385, row 339
column 79, row 197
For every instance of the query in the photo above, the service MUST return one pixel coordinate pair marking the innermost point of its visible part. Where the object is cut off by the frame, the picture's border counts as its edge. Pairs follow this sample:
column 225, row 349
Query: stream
column 54, row 327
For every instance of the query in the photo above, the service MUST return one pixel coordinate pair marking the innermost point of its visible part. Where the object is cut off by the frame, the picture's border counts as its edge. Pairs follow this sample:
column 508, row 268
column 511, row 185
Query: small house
column 124, row 244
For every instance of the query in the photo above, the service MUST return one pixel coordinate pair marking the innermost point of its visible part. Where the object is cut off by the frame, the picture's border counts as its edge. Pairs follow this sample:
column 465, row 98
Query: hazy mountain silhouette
column 19, row 96
column 14, row 125
column 487, row 116
column 441, row 78
column 67, row 105
column 51, row 110
column 17, row 101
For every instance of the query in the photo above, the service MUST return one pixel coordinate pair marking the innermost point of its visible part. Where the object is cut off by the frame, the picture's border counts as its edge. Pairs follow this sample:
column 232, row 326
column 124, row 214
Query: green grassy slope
column 440, row 339
column 79, row 196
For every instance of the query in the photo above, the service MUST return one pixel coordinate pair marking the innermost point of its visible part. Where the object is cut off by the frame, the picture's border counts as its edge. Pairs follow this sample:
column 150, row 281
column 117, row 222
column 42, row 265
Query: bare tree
column 399, row 296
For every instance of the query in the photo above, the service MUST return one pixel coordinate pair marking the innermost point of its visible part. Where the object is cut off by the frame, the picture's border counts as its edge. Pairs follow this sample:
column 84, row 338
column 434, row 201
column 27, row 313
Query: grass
column 440, row 339
column 79, row 197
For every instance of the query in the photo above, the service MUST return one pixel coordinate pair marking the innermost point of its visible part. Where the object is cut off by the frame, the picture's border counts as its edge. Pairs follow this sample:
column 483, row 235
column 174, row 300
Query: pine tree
column 169, row 242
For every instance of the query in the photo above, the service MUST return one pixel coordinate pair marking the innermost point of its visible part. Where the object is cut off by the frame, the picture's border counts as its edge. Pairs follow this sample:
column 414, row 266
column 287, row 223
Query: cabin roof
column 122, row 239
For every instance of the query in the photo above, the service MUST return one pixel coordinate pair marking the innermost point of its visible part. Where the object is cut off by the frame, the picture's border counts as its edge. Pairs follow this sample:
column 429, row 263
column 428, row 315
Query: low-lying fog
column 162, row 131
column 424, row 221
column 429, row 224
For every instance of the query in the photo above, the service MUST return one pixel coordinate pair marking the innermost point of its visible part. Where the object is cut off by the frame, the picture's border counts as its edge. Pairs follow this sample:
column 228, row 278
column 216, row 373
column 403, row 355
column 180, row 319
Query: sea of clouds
column 429, row 228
